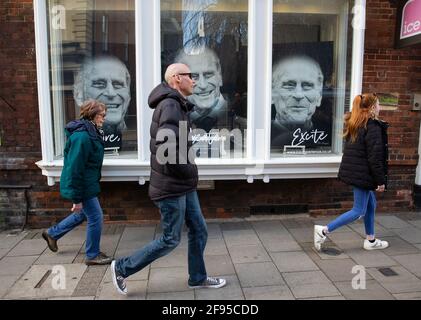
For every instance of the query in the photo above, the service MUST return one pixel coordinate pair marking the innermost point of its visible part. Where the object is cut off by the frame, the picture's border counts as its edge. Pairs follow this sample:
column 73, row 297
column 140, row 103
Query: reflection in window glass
column 210, row 36
column 92, row 56
column 308, row 75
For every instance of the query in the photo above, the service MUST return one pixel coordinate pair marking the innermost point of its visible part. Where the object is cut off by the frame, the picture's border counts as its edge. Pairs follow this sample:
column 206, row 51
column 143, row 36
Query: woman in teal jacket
column 79, row 181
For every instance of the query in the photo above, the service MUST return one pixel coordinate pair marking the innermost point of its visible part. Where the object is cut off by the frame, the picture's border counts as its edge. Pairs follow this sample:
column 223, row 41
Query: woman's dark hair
column 91, row 108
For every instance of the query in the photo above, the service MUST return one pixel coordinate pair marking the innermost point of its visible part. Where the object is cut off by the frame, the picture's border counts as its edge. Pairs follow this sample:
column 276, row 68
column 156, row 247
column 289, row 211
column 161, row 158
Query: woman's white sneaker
column 377, row 244
column 319, row 238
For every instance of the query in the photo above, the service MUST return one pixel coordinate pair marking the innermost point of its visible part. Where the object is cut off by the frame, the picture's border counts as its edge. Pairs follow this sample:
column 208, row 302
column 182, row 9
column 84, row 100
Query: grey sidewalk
column 266, row 257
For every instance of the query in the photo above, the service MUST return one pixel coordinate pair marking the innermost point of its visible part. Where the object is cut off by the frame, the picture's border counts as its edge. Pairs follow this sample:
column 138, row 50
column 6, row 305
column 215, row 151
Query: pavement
column 261, row 257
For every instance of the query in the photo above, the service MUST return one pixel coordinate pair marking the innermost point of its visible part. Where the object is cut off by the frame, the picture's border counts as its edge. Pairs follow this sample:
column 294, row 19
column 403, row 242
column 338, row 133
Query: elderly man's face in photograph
column 296, row 90
column 208, row 81
column 107, row 83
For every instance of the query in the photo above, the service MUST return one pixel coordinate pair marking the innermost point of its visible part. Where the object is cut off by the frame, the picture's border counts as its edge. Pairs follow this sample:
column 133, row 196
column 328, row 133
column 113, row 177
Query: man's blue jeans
column 174, row 211
column 364, row 206
column 93, row 213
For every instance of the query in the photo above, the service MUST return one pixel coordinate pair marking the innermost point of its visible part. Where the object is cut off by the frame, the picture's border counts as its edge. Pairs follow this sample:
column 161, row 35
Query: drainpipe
column 417, row 186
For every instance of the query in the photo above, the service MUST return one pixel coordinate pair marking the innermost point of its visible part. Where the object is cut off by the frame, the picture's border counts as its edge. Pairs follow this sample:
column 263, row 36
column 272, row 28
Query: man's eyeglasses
column 185, row 74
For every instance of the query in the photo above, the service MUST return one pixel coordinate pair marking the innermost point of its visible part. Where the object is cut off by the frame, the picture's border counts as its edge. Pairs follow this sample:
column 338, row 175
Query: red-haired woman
column 79, row 181
column 363, row 166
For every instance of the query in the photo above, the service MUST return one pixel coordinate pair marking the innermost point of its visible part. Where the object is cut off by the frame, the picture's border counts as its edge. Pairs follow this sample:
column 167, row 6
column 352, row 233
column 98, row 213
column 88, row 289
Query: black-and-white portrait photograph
column 302, row 96
column 213, row 44
column 106, row 79
column 210, row 106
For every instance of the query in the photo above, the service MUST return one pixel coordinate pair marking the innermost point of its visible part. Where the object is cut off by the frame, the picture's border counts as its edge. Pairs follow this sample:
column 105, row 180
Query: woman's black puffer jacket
column 364, row 162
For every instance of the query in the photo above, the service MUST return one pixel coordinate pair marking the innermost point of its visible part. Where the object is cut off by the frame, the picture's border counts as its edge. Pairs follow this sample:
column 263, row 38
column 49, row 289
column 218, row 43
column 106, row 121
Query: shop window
column 309, row 76
column 210, row 36
column 92, row 56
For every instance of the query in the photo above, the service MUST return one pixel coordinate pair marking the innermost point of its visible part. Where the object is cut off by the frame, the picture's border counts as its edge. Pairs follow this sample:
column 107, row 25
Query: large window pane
column 308, row 76
column 210, row 36
column 92, row 56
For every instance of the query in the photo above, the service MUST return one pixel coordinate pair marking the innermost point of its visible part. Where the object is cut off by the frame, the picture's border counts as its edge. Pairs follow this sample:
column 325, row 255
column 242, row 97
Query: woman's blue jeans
column 93, row 213
column 174, row 211
column 364, row 206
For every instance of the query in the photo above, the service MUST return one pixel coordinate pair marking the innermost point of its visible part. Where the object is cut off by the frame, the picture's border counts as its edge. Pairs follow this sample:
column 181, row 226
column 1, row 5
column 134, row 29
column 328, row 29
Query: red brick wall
column 385, row 70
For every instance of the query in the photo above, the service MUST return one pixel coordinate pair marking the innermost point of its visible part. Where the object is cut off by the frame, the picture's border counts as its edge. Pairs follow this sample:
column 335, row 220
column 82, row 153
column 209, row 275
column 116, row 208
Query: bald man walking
column 173, row 183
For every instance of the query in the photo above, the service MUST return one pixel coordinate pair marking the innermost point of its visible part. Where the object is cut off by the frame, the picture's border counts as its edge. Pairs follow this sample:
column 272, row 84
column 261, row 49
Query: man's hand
column 380, row 188
column 77, row 207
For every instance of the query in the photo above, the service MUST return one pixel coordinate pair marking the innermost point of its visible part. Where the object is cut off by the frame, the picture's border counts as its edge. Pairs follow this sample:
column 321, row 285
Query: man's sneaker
column 100, row 259
column 118, row 280
column 210, row 282
column 319, row 238
column 52, row 243
column 377, row 244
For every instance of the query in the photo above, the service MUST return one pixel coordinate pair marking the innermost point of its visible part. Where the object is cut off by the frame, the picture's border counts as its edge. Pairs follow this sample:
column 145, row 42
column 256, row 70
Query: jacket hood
column 84, row 125
column 164, row 91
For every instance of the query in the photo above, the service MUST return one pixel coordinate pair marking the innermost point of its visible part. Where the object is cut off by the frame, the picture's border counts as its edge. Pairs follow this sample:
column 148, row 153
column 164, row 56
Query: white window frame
column 257, row 164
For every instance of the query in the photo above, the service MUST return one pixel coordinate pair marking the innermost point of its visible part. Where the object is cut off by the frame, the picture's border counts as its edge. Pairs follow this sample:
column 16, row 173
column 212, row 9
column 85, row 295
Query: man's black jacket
column 179, row 176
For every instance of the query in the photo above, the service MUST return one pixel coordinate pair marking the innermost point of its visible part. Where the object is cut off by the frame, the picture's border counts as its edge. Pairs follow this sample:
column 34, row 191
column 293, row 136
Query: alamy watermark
column 359, row 280
column 58, row 281
column 58, row 17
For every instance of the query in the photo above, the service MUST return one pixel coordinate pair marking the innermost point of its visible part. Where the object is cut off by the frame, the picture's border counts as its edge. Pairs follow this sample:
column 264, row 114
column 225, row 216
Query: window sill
column 216, row 169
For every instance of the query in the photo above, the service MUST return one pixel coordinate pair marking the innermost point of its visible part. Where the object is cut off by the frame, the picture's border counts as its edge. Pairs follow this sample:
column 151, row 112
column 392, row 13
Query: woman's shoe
column 377, row 244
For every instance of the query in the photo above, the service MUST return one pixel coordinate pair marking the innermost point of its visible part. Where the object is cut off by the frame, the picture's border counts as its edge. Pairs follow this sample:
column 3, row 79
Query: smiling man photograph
column 107, row 80
column 210, row 111
column 297, row 91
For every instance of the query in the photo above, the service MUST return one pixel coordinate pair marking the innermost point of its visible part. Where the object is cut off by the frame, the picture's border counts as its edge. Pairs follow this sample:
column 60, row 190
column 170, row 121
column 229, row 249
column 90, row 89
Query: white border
column 257, row 164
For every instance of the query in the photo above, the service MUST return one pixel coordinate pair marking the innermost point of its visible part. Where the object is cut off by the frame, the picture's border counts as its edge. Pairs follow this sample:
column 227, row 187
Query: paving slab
column 258, row 274
column 408, row 296
column 329, row 251
column 9, row 239
column 302, row 234
column 272, row 227
column 248, row 253
column 411, row 262
column 374, row 258
column 310, row 284
column 410, row 234
column 168, row 279
column 28, row 248
column 298, row 223
column 6, row 283
column 216, row 247
column 278, row 292
column 326, row 298
column 214, row 231
column 16, row 266
column 293, row 261
column 73, row 298
column 180, row 295
column 39, row 283
column 338, row 270
column 398, row 246
column 403, row 282
column 136, row 290
column 137, row 234
column 66, row 255
column 358, row 226
column 415, row 223
column 391, row 222
column 219, row 265
column 240, row 237
column 373, row 291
